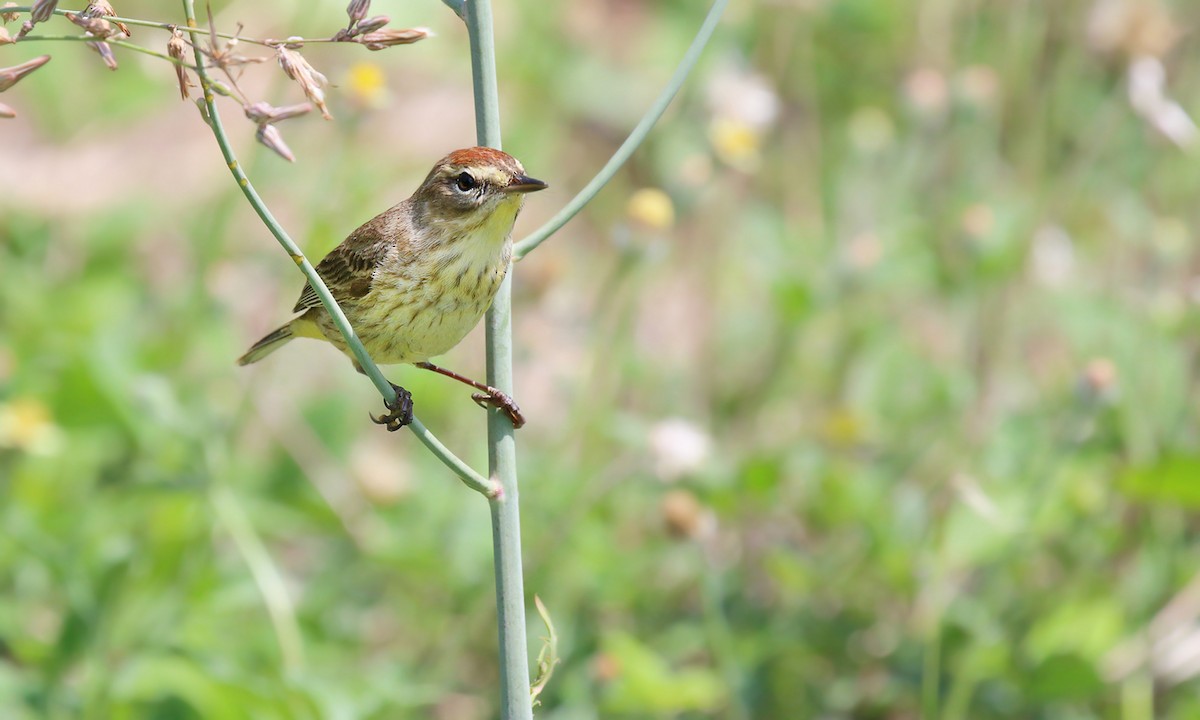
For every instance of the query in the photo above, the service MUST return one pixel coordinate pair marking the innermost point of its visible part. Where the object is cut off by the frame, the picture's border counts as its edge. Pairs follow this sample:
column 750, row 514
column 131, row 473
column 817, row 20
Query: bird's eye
column 465, row 182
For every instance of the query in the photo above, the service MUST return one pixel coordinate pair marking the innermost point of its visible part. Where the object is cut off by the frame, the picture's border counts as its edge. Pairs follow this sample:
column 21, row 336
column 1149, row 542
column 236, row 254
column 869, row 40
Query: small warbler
column 416, row 278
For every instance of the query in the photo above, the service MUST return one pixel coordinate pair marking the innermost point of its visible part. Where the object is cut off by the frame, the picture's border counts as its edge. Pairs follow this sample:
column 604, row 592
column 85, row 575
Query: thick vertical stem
column 478, row 16
column 506, row 521
column 502, row 451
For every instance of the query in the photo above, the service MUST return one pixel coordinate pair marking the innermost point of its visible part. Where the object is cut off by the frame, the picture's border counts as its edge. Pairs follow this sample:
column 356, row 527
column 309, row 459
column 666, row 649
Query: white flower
column 679, row 447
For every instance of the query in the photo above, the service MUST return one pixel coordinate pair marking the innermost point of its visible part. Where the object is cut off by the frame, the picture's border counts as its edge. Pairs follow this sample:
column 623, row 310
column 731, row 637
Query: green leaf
column 1064, row 677
column 647, row 684
column 1173, row 479
column 162, row 678
column 1086, row 629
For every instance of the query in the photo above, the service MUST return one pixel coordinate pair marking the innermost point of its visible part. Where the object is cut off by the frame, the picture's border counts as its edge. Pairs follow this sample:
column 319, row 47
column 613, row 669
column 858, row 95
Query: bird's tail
column 267, row 345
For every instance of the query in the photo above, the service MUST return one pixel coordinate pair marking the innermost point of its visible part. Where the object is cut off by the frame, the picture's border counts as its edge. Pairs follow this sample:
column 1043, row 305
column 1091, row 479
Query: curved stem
column 469, row 477
column 634, row 140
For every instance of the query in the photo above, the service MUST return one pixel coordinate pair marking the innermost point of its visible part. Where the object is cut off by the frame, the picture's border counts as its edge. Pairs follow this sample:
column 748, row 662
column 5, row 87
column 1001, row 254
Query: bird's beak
column 525, row 184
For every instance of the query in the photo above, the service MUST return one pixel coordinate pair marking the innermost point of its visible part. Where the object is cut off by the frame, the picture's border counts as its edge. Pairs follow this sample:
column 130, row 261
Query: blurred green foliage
column 889, row 412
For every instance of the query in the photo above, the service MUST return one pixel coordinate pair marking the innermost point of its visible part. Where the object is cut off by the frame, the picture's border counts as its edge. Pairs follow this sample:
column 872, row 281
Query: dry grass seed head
column 226, row 59
column 297, row 68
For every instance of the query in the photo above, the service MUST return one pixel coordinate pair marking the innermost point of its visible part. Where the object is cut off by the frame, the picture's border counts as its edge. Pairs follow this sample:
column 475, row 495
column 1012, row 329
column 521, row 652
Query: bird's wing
column 349, row 269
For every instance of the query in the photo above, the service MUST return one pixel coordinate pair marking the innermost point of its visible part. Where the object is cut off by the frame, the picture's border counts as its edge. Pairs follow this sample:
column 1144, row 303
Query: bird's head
column 474, row 186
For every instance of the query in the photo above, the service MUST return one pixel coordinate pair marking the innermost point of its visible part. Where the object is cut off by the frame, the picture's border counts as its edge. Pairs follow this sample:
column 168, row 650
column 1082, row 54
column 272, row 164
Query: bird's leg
column 400, row 413
column 487, row 396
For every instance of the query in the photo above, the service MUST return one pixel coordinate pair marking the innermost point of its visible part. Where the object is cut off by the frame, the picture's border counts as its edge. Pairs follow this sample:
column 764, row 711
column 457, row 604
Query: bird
column 416, row 278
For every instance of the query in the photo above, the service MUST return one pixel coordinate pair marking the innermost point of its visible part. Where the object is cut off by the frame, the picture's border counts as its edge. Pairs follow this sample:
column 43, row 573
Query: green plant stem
column 267, row 577
column 931, row 668
column 458, row 6
column 635, row 139
column 114, row 43
column 127, row 21
column 721, row 638
column 515, row 700
column 469, row 477
column 136, row 22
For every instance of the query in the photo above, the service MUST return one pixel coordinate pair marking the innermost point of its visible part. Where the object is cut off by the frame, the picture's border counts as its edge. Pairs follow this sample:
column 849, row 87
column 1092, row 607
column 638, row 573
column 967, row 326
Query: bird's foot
column 400, row 413
column 493, row 398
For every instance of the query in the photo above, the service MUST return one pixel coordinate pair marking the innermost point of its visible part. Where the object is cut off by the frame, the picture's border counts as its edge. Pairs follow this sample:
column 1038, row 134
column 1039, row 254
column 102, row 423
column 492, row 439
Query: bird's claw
column 493, row 398
column 400, row 412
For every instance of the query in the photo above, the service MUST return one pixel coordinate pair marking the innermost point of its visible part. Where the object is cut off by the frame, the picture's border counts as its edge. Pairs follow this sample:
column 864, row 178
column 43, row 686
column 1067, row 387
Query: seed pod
column 11, row 75
column 5, row 38
column 290, row 111
column 177, row 49
column 106, row 53
column 372, row 24
column 221, row 88
column 7, row 112
column 263, row 113
column 270, row 136
column 43, row 10
column 95, row 26
column 387, row 38
column 357, row 10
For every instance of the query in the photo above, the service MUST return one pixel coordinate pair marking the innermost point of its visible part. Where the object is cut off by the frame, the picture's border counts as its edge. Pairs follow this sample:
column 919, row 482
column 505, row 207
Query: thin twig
column 634, row 140
column 114, row 43
column 137, row 22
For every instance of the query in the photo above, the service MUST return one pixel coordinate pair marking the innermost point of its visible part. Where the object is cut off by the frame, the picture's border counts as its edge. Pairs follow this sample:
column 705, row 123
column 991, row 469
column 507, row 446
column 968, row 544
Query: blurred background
column 866, row 390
